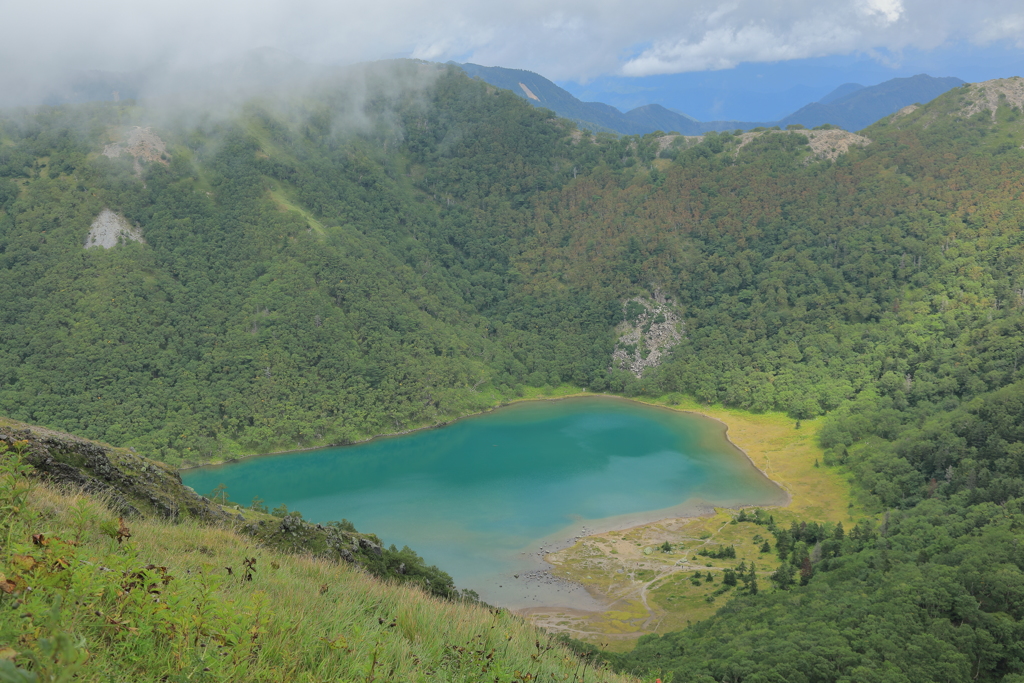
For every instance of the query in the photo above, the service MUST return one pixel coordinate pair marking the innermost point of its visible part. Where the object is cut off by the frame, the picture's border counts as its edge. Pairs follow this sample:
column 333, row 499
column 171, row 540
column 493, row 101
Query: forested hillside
column 309, row 275
column 410, row 245
column 342, row 265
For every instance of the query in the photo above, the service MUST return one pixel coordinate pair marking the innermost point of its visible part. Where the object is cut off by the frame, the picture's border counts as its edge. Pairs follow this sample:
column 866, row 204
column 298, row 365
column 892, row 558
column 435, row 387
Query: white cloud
column 571, row 39
column 1005, row 27
column 888, row 10
column 722, row 48
column 768, row 32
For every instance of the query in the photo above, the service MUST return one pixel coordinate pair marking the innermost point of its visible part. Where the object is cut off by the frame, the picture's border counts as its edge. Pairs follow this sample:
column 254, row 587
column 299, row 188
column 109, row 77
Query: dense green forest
column 355, row 261
column 307, row 276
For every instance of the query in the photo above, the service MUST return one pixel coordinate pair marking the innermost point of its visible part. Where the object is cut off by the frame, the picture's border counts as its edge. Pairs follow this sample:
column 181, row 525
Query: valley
column 399, row 246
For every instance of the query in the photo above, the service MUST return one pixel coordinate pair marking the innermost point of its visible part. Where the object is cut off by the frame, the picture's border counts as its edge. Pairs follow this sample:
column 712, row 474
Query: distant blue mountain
column 593, row 115
column 850, row 106
column 863, row 106
column 840, row 92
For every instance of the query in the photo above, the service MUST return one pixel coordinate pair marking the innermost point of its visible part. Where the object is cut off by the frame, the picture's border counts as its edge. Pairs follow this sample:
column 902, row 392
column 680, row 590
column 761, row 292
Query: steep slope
column 88, row 595
column 361, row 261
column 353, row 266
column 130, row 484
column 135, row 487
column 541, row 92
column 933, row 437
column 306, row 277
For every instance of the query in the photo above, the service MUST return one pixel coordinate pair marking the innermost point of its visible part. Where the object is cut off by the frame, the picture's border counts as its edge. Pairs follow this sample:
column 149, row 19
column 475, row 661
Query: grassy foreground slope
column 88, row 595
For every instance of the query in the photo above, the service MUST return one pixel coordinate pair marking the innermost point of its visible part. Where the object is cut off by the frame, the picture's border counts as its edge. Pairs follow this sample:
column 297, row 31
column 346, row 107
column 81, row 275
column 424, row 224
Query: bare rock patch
column 826, row 144
column 649, row 328
column 110, row 229
column 141, row 144
column 989, row 95
column 829, row 144
column 909, row 109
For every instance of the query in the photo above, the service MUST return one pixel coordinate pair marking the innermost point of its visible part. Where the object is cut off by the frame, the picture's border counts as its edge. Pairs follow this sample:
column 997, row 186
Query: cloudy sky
column 595, row 47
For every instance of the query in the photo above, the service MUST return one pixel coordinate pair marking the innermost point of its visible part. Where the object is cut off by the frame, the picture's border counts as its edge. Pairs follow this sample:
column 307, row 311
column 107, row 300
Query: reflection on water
column 481, row 496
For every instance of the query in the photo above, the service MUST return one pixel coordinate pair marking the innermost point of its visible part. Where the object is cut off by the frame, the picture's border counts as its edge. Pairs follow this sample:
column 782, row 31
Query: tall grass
column 85, row 594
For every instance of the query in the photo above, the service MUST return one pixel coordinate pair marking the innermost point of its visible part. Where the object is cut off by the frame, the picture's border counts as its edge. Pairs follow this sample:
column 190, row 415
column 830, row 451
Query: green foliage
column 75, row 605
column 306, row 282
column 870, row 607
column 301, row 283
column 720, row 553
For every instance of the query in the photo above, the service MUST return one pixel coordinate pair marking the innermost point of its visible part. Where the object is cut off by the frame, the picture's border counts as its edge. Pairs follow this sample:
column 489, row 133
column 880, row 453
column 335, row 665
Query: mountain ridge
column 850, row 106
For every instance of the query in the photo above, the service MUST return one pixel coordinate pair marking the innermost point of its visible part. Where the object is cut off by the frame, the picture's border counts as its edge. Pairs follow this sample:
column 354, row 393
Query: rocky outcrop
column 132, row 485
column 827, row 143
column 906, row 111
column 989, row 95
column 136, row 486
column 140, row 143
column 110, row 229
column 649, row 328
column 333, row 541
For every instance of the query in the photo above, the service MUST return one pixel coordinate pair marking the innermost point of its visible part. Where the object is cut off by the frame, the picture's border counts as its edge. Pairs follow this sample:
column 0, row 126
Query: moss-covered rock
column 132, row 484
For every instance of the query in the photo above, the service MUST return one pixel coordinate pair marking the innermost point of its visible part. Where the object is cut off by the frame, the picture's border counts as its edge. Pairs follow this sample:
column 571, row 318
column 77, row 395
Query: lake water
column 484, row 497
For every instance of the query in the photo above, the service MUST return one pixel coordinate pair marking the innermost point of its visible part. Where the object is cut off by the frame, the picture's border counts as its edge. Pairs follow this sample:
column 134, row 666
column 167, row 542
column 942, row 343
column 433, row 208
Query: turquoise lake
column 485, row 496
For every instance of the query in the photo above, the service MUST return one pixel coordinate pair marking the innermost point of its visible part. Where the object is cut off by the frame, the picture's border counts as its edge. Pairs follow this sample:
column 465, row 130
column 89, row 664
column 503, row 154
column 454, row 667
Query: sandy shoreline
column 644, row 589
column 564, row 539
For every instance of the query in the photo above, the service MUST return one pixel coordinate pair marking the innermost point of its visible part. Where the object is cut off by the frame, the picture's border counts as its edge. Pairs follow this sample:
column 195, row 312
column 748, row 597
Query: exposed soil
column 142, row 144
column 110, row 229
column 909, row 109
column 826, row 144
column 829, row 144
column 665, row 140
column 529, row 93
column 625, row 568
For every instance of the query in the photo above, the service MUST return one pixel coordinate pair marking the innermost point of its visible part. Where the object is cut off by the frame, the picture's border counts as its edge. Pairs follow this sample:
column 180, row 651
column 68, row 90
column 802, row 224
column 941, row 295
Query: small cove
column 485, row 497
